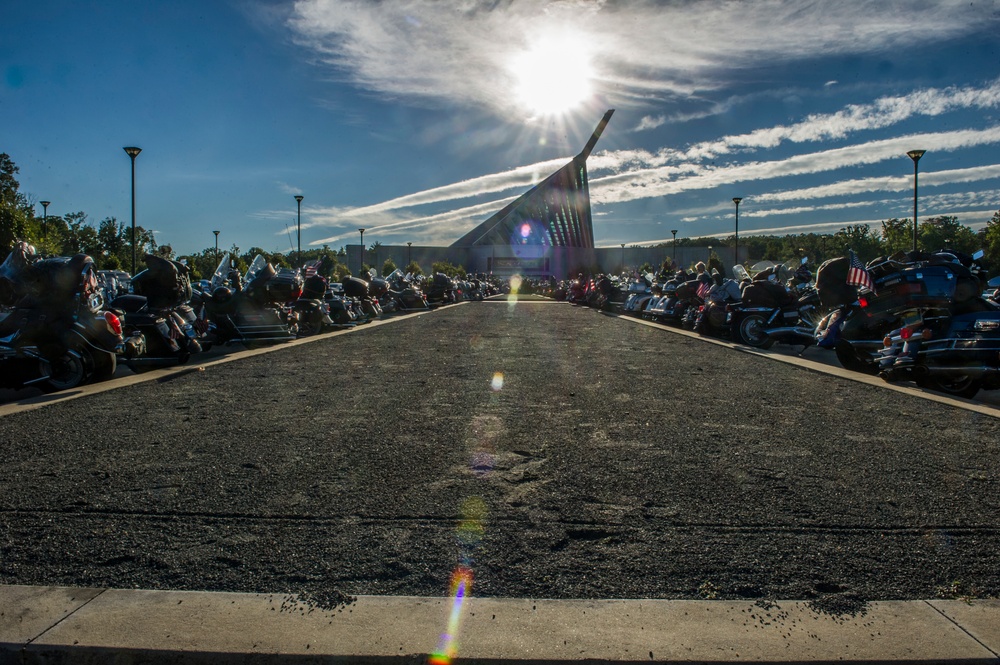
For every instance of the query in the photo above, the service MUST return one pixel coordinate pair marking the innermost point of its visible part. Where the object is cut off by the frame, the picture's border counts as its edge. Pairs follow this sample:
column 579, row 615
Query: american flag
column 311, row 268
column 857, row 274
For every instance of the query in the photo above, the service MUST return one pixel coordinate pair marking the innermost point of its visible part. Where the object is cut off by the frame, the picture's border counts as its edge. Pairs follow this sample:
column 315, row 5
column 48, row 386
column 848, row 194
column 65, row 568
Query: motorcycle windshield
column 221, row 272
column 259, row 263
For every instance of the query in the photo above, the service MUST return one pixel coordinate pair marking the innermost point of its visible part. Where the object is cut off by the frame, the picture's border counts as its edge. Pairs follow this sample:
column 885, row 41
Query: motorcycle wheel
column 962, row 386
column 849, row 359
column 752, row 332
column 66, row 372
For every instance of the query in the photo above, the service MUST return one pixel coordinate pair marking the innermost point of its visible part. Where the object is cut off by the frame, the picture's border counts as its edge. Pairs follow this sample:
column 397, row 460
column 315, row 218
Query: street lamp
column 298, row 205
column 674, row 259
column 736, row 254
column 623, row 256
column 915, row 155
column 216, row 247
column 361, row 267
column 409, row 253
column 45, row 215
column 133, row 152
column 709, row 253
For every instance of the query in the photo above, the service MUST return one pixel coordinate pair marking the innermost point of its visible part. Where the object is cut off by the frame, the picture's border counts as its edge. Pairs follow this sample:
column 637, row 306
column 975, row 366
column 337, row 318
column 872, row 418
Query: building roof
column 555, row 212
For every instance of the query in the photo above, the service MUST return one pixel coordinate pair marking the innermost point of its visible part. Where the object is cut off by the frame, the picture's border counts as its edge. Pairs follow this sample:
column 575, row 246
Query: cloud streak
column 444, row 52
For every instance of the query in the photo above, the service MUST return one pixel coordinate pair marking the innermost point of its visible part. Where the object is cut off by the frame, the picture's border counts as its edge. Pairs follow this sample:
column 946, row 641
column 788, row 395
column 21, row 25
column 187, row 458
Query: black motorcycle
column 440, row 290
column 311, row 311
column 161, row 329
column 400, row 294
column 954, row 350
column 252, row 309
column 929, row 285
column 771, row 312
column 55, row 335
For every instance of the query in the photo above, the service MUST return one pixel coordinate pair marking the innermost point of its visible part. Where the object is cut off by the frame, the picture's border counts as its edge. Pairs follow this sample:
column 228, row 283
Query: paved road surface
column 556, row 451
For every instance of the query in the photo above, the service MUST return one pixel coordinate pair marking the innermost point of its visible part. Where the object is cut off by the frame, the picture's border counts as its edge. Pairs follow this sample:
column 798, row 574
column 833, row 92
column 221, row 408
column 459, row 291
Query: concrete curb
column 68, row 625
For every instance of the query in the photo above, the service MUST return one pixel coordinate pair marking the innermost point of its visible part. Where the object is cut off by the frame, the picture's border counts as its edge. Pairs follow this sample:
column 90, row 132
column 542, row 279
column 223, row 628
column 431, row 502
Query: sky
column 417, row 119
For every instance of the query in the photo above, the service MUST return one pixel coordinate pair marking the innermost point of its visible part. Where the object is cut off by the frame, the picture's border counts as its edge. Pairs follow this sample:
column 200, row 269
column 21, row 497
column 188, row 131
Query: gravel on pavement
column 551, row 450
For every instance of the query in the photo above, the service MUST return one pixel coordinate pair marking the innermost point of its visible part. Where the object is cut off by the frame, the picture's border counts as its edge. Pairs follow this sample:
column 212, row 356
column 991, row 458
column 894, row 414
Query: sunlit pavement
column 65, row 625
column 61, row 624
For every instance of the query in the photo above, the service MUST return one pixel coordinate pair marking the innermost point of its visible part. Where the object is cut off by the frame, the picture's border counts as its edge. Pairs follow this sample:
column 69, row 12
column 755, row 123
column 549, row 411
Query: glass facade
column 553, row 213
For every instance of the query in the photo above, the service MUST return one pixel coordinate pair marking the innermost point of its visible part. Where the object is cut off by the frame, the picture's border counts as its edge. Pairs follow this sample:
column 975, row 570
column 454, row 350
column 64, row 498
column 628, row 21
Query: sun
column 554, row 76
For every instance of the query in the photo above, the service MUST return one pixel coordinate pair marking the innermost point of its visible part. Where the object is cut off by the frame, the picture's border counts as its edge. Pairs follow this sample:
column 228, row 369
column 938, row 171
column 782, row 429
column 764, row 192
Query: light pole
column 709, row 255
column 623, row 257
column 361, row 267
column 674, row 259
column 736, row 254
column 915, row 155
column 133, row 152
column 298, row 206
column 409, row 253
column 45, row 215
column 216, row 247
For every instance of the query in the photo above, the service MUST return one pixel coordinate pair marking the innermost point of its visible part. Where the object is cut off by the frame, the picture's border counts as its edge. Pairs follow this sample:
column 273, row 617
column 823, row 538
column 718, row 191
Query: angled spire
column 596, row 135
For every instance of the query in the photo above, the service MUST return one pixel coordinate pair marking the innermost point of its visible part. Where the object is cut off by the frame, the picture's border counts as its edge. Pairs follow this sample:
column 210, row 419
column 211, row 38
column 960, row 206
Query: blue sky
column 418, row 119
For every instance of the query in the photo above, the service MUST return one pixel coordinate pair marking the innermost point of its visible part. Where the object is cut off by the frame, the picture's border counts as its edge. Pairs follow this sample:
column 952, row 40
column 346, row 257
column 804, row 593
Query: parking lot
column 556, row 451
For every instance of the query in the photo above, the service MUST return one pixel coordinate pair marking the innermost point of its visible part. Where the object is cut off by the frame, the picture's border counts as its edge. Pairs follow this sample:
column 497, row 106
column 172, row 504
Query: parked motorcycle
column 401, row 295
column 55, row 335
column 771, row 312
column 713, row 316
column 364, row 305
column 908, row 284
column 640, row 291
column 311, row 311
column 440, row 290
column 253, row 313
column 954, row 349
column 161, row 329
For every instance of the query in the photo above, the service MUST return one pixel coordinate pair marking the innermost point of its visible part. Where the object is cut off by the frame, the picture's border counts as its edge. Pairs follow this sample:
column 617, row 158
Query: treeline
column 895, row 235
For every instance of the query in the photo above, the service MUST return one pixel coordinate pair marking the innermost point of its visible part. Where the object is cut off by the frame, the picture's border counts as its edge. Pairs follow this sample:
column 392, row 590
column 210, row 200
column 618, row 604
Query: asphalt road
column 554, row 451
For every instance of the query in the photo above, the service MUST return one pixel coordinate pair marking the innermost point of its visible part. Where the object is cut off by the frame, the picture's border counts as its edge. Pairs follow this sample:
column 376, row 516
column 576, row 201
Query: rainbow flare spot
column 461, row 585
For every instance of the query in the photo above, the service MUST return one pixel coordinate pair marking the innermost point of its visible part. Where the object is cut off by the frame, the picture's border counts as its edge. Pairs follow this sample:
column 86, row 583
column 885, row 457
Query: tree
column 991, row 240
column 859, row 238
column 15, row 212
column 946, row 232
column 388, row 267
column 897, row 235
column 80, row 236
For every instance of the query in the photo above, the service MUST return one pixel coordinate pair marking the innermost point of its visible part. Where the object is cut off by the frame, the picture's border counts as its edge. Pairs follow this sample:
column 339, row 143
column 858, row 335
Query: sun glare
column 554, row 76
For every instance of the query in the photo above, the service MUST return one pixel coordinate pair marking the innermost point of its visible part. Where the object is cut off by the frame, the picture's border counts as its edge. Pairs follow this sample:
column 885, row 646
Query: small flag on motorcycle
column 857, row 274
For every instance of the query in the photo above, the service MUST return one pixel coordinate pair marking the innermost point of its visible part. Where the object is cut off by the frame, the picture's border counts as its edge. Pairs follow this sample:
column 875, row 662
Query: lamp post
column 623, row 256
column 298, row 225
column 216, row 247
column 45, row 215
column 736, row 245
column 409, row 253
column 133, row 152
column 915, row 155
column 361, row 267
column 709, row 254
column 674, row 258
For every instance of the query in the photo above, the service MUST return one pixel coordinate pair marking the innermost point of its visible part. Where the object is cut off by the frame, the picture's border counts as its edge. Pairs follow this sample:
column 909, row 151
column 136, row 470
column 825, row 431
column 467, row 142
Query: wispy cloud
column 444, row 52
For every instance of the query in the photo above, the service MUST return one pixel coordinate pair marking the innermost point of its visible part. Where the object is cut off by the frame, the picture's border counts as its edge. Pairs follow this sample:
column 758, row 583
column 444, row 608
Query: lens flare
column 461, row 585
column 496, row 385
column 525, row 230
